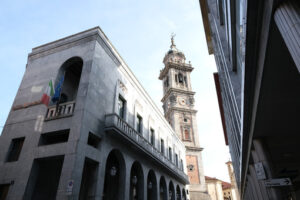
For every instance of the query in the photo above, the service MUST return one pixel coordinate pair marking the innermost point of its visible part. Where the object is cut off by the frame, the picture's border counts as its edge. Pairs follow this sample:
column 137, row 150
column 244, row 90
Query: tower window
column 187, row 134
column 139, row 124
column 152, row 137
column 167, row 82
column 15, row 149
column 185, row 81
column 180, row 78
column 121, row 106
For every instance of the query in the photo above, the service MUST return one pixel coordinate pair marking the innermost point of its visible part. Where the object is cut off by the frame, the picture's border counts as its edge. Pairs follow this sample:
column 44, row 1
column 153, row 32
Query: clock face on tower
column 182, row 101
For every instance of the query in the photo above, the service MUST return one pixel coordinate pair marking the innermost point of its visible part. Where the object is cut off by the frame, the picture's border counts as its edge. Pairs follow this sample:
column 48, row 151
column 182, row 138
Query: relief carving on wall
column 123, row 87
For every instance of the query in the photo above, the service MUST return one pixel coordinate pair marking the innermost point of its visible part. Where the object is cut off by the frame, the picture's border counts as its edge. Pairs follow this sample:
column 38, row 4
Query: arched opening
column 183, row 194
column 136, row 182
column 67, row 81
column 178, row 193
column 171, row 191
column 151, row 186
column 163, row 193
column 114, row 176
column 65, row 88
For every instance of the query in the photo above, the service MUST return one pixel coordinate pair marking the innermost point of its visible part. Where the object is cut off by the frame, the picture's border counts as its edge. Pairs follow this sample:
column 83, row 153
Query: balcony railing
column 62, row 110
column 114, row 122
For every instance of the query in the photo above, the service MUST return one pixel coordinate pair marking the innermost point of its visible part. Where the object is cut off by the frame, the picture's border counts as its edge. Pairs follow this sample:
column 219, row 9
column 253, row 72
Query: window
column 176, row 78
column 139, row 124
column 54, row 137
column 167, row 82
column 121, row 105
column 181, row 164
column 176, row 159
column 4, row 191
column 185, row 81
column 180, row 78
column 185, row 119
column 152, row 137
column 186, row 134
column 15, row 149
column 93, row 140
column 190, row 167
column 170, row 153
column 162, row 146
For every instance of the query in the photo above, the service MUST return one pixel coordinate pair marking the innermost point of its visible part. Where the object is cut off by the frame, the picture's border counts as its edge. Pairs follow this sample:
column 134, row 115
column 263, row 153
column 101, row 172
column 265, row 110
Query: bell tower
column 178, row 104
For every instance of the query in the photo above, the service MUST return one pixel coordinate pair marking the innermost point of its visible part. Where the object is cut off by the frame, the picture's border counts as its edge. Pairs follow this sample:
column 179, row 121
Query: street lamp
column 150, row 185
column 134, row 180
column 113, row 171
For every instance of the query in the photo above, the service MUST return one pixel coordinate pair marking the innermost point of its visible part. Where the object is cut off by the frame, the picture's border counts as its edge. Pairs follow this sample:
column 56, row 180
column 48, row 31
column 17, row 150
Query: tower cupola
column 174, row 55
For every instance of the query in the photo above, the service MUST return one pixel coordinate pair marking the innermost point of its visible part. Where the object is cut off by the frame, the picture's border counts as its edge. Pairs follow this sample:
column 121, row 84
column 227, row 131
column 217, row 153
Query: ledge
column 115, row 125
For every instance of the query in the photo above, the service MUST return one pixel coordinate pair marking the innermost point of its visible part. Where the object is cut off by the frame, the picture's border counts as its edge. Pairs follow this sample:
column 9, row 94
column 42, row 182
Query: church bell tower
column 178, row 104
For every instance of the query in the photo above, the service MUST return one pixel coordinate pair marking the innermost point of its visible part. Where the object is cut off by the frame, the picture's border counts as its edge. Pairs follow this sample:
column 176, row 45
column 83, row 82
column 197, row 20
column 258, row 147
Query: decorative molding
column 122, row 87
column 180, row 66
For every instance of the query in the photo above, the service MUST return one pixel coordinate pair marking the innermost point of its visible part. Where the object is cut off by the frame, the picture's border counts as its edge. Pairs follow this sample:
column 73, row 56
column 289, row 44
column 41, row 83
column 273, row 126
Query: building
column 219, row 190
column 104, row 139
column 178, row 104
column 234, row 188
column 256, row 49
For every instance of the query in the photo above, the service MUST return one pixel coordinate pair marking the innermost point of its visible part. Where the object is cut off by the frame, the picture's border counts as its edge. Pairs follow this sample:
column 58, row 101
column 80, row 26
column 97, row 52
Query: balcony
column 115, row 125
column 60, row 111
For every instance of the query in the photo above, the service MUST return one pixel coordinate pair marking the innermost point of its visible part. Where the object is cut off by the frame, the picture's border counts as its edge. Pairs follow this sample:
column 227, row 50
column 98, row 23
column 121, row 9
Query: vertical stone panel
column 287, row 18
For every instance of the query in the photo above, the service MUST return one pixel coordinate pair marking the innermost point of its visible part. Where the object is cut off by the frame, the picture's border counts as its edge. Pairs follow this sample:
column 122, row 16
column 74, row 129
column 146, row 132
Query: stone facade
column 104, row 139
column 178, row 104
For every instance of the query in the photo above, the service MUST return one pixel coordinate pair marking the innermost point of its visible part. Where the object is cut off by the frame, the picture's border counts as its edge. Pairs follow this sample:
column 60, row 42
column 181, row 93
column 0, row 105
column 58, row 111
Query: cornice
column 180, row 110
column 180, row 66
column 170, row 90
column 189, row 148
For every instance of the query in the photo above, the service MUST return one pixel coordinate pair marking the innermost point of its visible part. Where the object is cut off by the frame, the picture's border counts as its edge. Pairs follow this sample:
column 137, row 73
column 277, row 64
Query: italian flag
column 49, row 92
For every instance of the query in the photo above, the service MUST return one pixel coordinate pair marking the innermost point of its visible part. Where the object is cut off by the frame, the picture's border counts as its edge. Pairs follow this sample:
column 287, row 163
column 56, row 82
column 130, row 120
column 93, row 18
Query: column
column 287, row 18
column 260, row 155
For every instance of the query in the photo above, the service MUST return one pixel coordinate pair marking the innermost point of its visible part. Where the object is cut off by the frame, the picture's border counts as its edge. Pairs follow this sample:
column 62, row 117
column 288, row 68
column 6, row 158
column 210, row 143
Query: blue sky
column 140, row 31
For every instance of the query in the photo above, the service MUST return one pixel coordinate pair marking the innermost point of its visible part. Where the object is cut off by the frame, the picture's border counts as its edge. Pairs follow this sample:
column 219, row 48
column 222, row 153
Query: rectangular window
column 15, row 149
column 152, row 137
column 3, row 191
column 54, row 137
column 185, row 81
column 186, row 134
column 176, row 78
column 121, row 107
column 176, row 159
column 139, row 124
column 162, row 146
column 93, row 140
column 170, row 153
column 181, row 164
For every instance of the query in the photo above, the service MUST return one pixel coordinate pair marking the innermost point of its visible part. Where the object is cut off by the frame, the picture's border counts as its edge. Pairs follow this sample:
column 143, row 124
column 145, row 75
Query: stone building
column 220, row 190
column 178, row 104
column 105, row 139
column 257, row 52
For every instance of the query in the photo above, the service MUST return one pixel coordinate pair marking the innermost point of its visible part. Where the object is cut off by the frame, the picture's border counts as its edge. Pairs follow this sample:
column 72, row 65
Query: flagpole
column 57, row 103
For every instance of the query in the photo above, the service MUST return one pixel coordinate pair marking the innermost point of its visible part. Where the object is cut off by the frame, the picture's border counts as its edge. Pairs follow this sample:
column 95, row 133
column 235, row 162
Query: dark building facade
column 256, row 45
column 104, row 139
